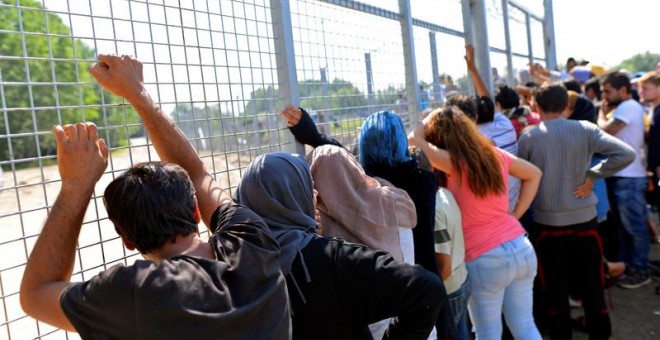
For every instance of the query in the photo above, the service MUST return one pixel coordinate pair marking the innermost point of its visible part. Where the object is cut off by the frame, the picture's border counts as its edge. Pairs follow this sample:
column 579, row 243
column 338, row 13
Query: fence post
column 528, row 24
column 476, row 33
column 370, row 80
column 326, row 104
column 280, row 12
column 549, row 36
column 437, row 87
column 412, row 89
column 507, row 39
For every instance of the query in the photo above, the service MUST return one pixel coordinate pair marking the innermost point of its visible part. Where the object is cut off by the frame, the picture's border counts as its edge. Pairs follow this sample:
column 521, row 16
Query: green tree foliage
column 45, row 81
column 640, row 62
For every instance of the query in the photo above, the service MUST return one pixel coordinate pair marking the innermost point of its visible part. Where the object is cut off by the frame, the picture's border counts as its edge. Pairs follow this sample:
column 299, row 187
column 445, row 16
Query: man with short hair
column 229, row 287
column 628, row 186
column 564, row 211
column 649, row 92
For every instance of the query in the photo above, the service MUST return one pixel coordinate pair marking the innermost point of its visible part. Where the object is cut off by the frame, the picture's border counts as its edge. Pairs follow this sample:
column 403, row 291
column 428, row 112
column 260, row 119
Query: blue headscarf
column 383, row 141
column 278, row 187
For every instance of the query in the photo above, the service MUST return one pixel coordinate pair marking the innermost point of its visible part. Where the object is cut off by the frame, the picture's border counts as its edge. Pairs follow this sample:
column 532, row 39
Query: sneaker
column 634, row 280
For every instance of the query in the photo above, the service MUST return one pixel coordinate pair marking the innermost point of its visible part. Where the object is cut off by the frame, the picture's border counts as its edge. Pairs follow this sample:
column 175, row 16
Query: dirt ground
column 635, row 313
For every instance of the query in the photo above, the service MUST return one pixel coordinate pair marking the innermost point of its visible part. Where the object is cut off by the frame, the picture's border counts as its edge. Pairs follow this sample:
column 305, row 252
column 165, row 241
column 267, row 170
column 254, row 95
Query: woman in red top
column 500, row 260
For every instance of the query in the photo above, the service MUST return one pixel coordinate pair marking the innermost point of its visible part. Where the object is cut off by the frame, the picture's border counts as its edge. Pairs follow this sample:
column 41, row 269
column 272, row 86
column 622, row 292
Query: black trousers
column 570, row 260
column 337, row 289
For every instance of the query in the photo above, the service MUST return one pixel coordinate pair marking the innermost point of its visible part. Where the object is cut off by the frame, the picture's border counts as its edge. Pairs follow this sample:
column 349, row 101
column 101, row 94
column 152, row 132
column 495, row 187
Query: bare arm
column 444, row 265
column 611, row 125
column 122, row 76
column 479, row 85
column 530, row 177
column 81, row 159
column 439, row 158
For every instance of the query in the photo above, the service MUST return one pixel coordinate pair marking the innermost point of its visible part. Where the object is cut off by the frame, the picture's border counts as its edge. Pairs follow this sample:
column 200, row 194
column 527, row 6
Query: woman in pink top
column 500, row 259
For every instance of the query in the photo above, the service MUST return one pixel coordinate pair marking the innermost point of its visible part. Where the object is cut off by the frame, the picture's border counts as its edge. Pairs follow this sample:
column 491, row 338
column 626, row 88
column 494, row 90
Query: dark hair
column 507, row 97
column 472, row 154
column 465, row 104
column 594, row 85
column 531, row 84
column 151, row 203
column 551, row 98
column 617, row 80
column 572, row 85
column 485, row 109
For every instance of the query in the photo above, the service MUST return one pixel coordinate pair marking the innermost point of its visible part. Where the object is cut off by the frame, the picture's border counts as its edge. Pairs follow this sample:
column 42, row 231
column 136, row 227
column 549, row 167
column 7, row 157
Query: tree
column 646, row 61
column 59, row 89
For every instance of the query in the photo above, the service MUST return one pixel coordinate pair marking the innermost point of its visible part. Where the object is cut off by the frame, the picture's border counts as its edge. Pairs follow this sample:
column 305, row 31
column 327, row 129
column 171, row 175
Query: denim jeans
column 458, row 303
column 631, row 204
column 501, row 281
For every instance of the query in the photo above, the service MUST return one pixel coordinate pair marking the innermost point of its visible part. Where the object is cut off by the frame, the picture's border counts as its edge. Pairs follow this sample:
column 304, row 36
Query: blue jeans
column 501, row 281
column 635, row 240
column 458, row 303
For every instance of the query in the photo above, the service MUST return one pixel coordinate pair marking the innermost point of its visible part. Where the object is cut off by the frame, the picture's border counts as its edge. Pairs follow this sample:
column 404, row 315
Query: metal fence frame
column 262, row 39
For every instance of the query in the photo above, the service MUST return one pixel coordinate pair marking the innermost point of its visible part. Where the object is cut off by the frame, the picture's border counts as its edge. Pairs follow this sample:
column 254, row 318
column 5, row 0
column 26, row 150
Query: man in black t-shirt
column 229, row 287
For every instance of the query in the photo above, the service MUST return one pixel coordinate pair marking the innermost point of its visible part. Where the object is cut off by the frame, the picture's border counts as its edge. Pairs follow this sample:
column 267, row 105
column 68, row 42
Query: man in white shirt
column 628, row 185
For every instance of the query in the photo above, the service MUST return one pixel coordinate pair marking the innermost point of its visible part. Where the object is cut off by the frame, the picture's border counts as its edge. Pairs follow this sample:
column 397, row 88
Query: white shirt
column 631, row 113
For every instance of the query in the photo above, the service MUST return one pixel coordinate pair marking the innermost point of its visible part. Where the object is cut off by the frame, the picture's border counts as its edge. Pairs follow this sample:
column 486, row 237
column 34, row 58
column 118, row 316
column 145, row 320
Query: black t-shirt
column 242, row 295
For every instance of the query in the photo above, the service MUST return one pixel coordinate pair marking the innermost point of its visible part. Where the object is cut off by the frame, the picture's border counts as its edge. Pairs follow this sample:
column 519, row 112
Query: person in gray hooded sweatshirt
column 336, row 288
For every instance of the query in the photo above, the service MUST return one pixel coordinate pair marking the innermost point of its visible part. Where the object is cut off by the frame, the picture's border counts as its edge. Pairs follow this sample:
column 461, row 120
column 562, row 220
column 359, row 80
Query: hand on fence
column 120, row 75
column 81, row 155
column 292, row 114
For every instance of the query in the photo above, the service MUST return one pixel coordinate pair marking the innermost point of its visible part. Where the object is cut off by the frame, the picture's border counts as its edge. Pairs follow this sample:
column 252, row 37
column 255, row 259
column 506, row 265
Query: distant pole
column 409, row 58
column 326, row 104
column 549, row 36
column 477, row 35
column 370, row 80
column 507, row 39
column 437, row 92
column 530, row 51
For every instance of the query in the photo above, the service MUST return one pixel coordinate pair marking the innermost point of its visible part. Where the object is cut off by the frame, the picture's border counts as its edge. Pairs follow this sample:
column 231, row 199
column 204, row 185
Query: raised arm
column 303, row 128
column 81, row 158
column 439, row 158
column 480, row 87
column 122, row 76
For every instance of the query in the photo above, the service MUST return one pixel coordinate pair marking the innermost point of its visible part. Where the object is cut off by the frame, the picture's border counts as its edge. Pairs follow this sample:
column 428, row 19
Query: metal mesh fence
column 210, row 64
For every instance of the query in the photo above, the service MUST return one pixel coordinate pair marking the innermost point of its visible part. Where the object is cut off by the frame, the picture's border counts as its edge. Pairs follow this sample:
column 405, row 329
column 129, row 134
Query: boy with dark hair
column 629, row 185
column 230, row 287
column 507, row 101
column 564, row 211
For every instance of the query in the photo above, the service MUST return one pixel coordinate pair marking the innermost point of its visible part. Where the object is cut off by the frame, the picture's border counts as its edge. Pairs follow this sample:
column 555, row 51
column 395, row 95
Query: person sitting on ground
column 336, row 288
column 231, row 286
column 500, row 259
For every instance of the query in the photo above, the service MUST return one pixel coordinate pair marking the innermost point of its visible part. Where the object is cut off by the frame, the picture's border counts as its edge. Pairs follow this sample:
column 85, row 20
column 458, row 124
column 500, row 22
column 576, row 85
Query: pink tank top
column 486, row 221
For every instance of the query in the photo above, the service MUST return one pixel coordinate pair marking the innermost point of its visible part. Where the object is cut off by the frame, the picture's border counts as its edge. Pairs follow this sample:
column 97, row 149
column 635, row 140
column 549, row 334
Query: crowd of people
column 489, row 218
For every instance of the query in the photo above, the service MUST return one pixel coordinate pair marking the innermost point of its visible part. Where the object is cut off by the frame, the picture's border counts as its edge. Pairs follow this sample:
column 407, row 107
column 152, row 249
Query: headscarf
column 383, row 141
column 356, row 207
column 278, row 187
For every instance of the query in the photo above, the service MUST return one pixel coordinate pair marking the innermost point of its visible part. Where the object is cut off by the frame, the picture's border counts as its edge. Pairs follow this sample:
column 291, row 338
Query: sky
column 606, row 31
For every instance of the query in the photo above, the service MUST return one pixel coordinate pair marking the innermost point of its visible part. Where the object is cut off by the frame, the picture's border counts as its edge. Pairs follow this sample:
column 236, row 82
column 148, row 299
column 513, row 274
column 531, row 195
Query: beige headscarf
column 356, row 207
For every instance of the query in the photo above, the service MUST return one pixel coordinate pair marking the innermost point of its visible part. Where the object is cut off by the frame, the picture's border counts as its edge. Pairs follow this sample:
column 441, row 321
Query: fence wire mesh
column 211, row 65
